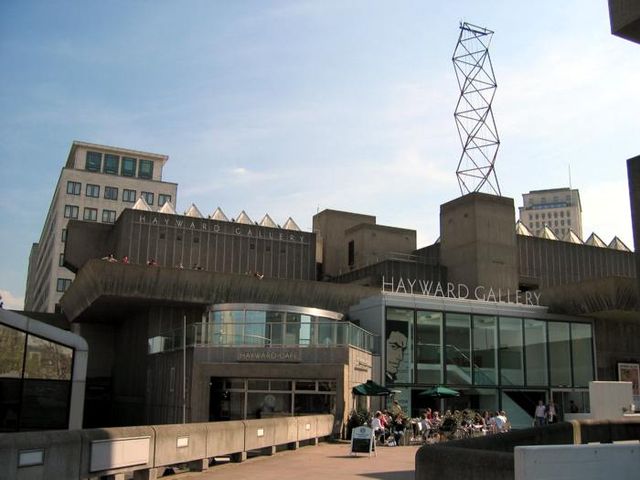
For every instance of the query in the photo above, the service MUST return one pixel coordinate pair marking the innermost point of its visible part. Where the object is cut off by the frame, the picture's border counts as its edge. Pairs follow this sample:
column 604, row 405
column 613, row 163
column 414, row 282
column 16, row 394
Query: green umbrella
column 440, row 392
column 371, row 389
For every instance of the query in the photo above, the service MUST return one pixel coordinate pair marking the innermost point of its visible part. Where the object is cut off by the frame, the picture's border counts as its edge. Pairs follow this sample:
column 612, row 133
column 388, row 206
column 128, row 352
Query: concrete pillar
column 270, row 450
column 478, row 243
column 148, row 474
column 239, row 457
column 199, row 465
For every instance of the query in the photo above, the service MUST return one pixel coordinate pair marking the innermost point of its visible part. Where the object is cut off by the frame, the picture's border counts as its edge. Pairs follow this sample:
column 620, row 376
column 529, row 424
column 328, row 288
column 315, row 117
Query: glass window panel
column 111, row 163
column 428, row 351
column 305, row 385
column 535, row 339
column 458, row 348
column 128, row 195
column 93, row 161
column 582, row 353
column 314, row 404
column 234, row 384
column 146, row 169
column 163, row 198
column 292, row 330
column 305, row 330
column 128, row 167
column 10, row 391
column 11, row 352
column 326, row 333
column 148, row 197
column 45, row 405
column 47, row 359
column 559, row 354
column 398, row 345
column 511, row 352
column 326, row 386
column 227, row 327
column 255, row 329
column 485, row 342
column 258, row 384
column 267, row 405
column 280, row 385
column 275, row 321
column 111, row 193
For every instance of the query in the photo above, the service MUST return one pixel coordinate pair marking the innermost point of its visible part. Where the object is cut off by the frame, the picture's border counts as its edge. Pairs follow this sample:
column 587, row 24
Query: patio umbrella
column 371, row 389
column 440, row 392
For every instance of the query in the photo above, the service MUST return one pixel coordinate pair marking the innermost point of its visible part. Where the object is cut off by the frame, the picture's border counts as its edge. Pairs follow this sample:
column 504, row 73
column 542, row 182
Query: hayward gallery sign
column 459, row 290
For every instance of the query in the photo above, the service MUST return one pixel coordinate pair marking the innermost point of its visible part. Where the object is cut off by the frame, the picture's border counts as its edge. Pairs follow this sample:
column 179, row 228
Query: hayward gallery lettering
column 460, row 290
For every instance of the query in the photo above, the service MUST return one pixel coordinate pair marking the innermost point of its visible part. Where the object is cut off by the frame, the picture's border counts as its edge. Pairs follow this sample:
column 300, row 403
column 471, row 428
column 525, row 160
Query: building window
column 90, row 214
column 148, row 197
column 128, row 195
column 92, row 190
column 145, row 169
column 543, row 216
column 561, row 213
column 63, row 238
column 530, row 217
column 61, row 260
column 569, row 222
column 162, row 199
column 562, row 222
column 555, row 214
column 71, row 211
column 568, row 214
column 62, row 284
column 74, row 188
column 93, row 162
column 108, row 216
column 111, row 163
column 111, row 193
column 128, row 167
column 537, row 217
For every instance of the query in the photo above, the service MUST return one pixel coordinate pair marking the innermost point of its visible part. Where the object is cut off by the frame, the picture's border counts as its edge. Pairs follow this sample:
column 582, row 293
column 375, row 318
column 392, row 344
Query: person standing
column 541, row 414
column 552, row 413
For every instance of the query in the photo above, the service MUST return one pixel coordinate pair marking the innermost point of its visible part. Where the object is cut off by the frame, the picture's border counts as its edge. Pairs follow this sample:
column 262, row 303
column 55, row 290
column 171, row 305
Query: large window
column 93, row 161
column 128, row 167
column 145, row 169
column 90, row 214
column 111, row 163
column 582, row 354
column 428, row 351
column 62, row 284
column 111, row 193
column 73, row 188
column 457, row 339
column 560, row 354
column 535, row 341
column 71, row 211
column 511, row 352
column 128, row 195
column 485, row 354
column 11, row 352
column 92, row 190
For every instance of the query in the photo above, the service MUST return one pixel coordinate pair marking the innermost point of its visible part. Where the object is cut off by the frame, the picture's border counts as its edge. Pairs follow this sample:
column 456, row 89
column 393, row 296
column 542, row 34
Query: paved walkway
column 330, row 461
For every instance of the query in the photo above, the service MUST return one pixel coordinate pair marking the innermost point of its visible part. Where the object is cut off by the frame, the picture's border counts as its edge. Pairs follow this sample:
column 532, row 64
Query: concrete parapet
column 225, row 438
column 180, row 443
column 259, row 434
column 111, row 451
column 325, row 426
column 286, row 431
column 40, row 455
column 307, row 428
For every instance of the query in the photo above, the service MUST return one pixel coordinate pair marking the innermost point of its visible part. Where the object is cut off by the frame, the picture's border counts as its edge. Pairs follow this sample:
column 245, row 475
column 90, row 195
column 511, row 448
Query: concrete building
column 556, row 208
column 95, row 185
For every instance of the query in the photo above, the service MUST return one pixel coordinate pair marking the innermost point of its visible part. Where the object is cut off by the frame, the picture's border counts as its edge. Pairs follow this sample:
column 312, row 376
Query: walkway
column 327, row 461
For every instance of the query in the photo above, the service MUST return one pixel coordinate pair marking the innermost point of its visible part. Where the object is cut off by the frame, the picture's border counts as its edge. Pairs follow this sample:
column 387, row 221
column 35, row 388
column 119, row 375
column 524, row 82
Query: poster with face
column 399, row 357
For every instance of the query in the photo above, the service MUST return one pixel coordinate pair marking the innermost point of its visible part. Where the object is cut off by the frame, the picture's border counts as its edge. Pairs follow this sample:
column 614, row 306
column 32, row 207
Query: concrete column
column 239, row 457
column 148, row 474
column 199, row 465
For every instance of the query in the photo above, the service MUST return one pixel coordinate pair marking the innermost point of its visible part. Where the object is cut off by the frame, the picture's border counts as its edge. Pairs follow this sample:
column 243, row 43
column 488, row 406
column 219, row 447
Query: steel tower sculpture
column 473, row 115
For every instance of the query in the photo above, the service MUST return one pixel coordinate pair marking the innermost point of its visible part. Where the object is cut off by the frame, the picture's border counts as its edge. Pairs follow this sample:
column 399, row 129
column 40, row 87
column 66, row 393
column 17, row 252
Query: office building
column 95, row 185
column 556, row 208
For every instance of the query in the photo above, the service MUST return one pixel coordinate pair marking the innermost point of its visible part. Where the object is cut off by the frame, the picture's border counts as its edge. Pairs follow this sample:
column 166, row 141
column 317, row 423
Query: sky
column 292, row 107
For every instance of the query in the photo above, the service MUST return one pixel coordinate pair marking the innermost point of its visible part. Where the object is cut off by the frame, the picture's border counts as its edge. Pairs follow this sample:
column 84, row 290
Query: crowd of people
column 391, row 427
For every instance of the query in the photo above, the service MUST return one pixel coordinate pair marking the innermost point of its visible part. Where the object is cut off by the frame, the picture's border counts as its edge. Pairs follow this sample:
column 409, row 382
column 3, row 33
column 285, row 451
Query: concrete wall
column 372, row 243
column 478, row 241
column 84, row 454
column 609, row 400
column 331, row 225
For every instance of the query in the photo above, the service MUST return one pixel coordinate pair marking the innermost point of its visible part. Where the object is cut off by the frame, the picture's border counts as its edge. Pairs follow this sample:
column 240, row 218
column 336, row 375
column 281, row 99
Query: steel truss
column 474, row 117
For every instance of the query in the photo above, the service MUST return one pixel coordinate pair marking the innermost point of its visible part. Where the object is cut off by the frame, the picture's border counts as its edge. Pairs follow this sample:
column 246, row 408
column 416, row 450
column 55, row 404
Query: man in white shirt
column 541, row 414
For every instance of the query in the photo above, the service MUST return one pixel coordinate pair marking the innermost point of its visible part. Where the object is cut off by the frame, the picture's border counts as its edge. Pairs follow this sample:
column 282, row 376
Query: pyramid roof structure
column 141, row 204
column 219, row 215
column 572, row 237
column 168, row 208
column 595, row 241
column 291, row 225
column 193, row 211
column 522, row 229
column 267, row 221
column 244, row 218
column 548, row 233
column 618, row 244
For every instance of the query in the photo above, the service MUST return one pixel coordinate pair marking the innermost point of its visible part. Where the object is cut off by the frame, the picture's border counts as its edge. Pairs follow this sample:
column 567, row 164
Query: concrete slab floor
column 327, row 461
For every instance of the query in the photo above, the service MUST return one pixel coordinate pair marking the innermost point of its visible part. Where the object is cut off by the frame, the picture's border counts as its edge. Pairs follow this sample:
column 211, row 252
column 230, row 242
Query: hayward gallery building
column 240, row 320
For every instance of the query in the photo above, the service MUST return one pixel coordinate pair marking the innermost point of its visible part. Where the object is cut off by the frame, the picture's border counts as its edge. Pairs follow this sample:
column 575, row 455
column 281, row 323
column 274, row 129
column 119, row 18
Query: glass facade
column 35, row 382
column 494, row 361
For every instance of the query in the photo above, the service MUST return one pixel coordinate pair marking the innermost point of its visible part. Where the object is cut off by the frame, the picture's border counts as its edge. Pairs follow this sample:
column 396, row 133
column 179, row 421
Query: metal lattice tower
column 474, row 117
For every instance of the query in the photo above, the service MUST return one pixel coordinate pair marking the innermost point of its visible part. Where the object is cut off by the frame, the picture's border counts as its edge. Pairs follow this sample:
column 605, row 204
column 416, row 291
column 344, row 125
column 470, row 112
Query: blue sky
column 293, row 106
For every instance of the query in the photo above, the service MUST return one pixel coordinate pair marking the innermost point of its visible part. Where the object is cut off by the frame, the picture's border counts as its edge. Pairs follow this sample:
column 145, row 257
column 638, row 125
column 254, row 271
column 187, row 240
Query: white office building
column 95, row 185
column 559, row 209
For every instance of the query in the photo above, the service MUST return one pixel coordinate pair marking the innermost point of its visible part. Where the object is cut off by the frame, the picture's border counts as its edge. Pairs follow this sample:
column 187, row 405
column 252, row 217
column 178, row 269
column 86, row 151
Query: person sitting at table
column 377, row 426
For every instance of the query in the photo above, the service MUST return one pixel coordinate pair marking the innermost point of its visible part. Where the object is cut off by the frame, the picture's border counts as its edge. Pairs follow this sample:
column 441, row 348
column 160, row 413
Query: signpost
column 362, row 441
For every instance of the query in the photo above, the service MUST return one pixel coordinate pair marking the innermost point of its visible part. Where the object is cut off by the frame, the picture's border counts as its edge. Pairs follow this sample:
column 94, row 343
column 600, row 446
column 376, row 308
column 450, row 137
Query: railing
column 146, row 450
column 270, row 335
